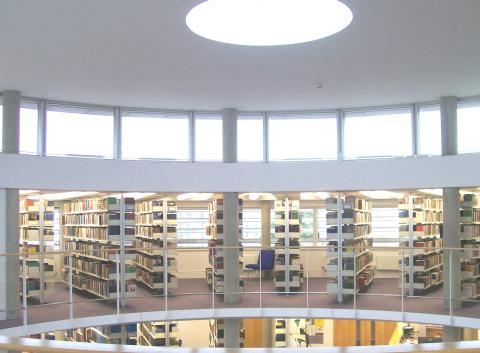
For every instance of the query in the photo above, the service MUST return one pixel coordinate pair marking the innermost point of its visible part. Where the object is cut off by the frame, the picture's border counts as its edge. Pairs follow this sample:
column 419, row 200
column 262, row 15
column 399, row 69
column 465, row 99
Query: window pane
column 378, row 134
column 252, row 225
column 250, row 138
column 468, row 121
column 306, row 226
column 191, row 225
column 79, row 132
column 429, row 131
column 302, row 137
column 28, row 128
column 385, row 227
column 208, row 138
column 322, row 224
column 155, row 136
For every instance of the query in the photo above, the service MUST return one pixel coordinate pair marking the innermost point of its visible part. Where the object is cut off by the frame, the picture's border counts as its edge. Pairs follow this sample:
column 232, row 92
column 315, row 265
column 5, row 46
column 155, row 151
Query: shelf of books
column 470, row 241
column 156, row 232
column 93, row 230
column 350, row 268
column 217, row 334
column 421, row 220
column 36, row 221
column 280, row 333
column 288, row 272
column 215, row 272
column 158, row 334
column 112, row 334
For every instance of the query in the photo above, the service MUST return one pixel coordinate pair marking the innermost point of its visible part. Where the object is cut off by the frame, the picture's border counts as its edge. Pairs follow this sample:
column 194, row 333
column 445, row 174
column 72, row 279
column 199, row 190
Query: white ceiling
column 140, row 53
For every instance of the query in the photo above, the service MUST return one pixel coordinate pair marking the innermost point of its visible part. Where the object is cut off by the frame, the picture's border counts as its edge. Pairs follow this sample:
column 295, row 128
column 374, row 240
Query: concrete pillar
column 451, row 206
column 231, row 230
column 451, row 334
column 265, row 210
column 9, row 235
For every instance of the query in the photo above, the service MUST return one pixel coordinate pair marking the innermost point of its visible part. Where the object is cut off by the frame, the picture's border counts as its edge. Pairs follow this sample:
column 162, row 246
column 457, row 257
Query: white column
column 9, row 235
column 451, row 205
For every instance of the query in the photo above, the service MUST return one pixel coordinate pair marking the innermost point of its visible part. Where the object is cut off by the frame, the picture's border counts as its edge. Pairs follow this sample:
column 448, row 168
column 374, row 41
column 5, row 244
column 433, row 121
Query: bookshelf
column 421, row 219
column 470, row 241
column 217, row 334
column 97, row 231
column 215, row 272
column 350, row 268
column 36, row 222
column 156, row 230
column 158, row 334
column 288, row 272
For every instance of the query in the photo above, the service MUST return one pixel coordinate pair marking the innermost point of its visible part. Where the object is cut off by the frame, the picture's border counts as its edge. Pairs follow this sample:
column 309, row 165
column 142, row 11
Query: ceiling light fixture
column 268, row 22
column 382, row 194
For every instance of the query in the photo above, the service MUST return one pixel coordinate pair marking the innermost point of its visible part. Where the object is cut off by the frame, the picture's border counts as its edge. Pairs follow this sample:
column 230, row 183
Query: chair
column 265, row 262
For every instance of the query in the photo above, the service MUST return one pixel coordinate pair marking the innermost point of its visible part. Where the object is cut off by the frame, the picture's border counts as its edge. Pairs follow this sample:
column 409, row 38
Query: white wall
column 194, row 333
column 34, row 172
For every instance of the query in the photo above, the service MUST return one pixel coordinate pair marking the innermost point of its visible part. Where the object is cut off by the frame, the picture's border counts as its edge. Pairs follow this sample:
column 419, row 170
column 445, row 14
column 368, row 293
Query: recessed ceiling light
column 268, row 22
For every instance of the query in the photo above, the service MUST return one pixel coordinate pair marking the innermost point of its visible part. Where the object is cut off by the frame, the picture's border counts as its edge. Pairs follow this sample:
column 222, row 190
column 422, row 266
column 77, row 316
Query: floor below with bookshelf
column 185, row 297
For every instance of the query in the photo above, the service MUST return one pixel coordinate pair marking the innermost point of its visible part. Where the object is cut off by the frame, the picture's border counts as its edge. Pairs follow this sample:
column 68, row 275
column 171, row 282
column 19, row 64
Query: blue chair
column 265, row 262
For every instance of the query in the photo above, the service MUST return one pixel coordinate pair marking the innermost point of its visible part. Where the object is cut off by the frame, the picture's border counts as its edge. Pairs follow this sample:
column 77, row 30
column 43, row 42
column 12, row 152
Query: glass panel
column 252, row 225
column 429, row 131
column 250, row 138
column 1, row 127
column 322, row 224
column 79, row 132
column 302, row 137
column 378, row 134
column 468, row 115
column 385, row 223
column 208, row 138
column 155, row 136
column 28, row 128
column 191, row 225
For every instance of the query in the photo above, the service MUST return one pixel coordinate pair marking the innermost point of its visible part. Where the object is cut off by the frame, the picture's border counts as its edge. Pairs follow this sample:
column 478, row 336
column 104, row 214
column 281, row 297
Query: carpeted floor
column 383, row 294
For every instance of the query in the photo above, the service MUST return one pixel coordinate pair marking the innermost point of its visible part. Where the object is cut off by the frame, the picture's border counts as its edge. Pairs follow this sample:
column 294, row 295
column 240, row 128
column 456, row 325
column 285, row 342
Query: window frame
column 192, row 242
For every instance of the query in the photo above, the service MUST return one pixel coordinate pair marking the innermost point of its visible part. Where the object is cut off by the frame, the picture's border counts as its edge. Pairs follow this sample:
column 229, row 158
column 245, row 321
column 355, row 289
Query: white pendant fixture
column 268, row 22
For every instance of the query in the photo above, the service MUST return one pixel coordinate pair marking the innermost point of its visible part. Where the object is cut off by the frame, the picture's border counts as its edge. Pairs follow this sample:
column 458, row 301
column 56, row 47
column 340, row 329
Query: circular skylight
column 268, row 22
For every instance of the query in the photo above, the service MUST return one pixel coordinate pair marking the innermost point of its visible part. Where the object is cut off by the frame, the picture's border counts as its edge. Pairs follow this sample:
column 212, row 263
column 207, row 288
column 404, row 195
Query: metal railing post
column 307, row 275
column 70, row 286
column 118, row 281
column 355, row 282
column 260, row 275
column 24, row 289
column 402, row 283
column 450, row 282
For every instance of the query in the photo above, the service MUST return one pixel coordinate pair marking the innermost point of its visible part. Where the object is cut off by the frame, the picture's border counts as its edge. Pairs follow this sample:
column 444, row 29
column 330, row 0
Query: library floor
column 383, row 294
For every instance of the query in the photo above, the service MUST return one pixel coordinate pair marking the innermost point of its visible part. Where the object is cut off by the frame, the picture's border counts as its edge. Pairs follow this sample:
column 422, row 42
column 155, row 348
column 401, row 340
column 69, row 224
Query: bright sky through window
column 429, row 131
column 302, row 138
column 250, row 138
column 208, row 139
column 28, row 130
column 162, row 137
column 381, row 134
column 79, row 134
column 468, row 122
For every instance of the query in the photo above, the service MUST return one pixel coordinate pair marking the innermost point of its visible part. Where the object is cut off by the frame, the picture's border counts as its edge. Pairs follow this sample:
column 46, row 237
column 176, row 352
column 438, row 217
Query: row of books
column 421, row 216
column 100, row 219
column 97, row 204
column 426, row 262
column 216, row 230
column 357, row 230
column 293, row 259
column 154, row 232
column 349, row 203
column 422, row 203
column 155, row 218
column 470, row 215
column 470, row 269
column 470, row 200
column 472, row 249
column 156, row 205
column 33, row 234
column 429, row 244
column 105, row 289
column 468, row 231
column 34, row 218
column 470, row 290
column 100, row 269
column 29, row 205
column 153, row 279
column 349, row 217
column 426, row 279
column 96, row 233
column 154, row 263
column 424, row 229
